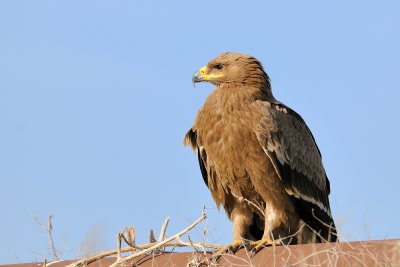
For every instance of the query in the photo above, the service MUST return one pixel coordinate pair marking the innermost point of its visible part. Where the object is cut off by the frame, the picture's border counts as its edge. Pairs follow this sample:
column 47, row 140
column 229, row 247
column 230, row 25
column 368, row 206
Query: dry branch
column 121, row 261
column 118, row 237
column 49, row 229
column 137, row 250
column 130, row 235
column 163, row 231
column 132, row 245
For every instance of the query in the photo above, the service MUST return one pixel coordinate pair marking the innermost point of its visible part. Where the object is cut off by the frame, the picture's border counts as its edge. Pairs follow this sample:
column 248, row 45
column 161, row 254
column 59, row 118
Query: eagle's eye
column 218, row 66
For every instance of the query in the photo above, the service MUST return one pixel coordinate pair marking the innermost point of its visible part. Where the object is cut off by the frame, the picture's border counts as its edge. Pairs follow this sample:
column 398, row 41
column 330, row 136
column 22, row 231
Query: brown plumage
column 258, row 157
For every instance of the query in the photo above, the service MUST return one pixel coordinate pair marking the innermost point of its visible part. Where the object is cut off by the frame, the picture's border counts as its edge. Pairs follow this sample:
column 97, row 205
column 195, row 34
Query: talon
column 256, row 246
column 231, row 248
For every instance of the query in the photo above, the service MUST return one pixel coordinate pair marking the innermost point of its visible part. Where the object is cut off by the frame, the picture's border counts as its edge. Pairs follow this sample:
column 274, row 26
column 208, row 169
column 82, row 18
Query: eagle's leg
column 242, row 219
column 269, row 239
column 272, row 231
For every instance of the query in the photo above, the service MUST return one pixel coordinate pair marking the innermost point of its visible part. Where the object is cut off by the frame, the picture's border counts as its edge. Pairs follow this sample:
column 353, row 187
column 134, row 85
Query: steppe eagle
column 258, row 158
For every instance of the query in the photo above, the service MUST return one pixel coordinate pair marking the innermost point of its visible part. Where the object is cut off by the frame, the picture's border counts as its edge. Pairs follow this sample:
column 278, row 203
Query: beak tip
column 196, row 78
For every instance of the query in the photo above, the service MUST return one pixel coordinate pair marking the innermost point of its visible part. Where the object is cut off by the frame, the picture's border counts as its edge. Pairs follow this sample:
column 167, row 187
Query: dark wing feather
column 202, row 156
column 191, row 139
column 290, row 145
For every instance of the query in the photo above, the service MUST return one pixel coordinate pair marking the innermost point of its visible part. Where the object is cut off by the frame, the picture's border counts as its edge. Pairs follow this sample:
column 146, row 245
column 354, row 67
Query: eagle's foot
column 231, row 248
column 256, row 246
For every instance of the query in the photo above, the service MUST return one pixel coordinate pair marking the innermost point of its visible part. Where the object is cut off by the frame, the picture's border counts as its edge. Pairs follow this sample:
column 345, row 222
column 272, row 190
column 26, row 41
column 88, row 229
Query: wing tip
column 190, row 139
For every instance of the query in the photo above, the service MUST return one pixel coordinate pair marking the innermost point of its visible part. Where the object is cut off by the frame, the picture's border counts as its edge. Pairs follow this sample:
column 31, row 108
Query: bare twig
column 130, row 235
column 121, row 261
column 119, row 245
column 191, row 243
column 132, row 245
column 329, row 226
column 163, row 231
column 152, row 239
column 259, row 207
column 130, row 238
column 49, row 230
column 317, row 234
column 369, row 253
column 16, row 258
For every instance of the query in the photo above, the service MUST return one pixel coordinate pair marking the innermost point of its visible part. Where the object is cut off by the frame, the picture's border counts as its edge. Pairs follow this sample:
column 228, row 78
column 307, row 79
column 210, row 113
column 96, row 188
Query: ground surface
column 366, row 253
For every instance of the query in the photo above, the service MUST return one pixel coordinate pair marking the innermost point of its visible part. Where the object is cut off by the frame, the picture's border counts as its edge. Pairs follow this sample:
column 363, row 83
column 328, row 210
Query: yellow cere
column 207, row 77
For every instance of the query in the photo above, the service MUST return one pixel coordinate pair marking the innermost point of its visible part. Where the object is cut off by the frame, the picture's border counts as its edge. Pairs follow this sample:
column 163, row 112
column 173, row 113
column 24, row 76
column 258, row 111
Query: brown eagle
column 258, row 158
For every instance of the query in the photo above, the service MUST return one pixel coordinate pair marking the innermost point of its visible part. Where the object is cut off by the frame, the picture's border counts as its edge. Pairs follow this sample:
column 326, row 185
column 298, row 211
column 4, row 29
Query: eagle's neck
column 244, row 92
column 261, row 82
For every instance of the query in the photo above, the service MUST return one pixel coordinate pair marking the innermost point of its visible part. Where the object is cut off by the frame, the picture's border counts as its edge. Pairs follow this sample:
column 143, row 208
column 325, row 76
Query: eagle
column 259, row 159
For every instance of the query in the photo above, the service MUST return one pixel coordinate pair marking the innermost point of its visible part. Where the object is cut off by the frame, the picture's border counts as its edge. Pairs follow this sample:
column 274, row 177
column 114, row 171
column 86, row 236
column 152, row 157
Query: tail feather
column 318, row 220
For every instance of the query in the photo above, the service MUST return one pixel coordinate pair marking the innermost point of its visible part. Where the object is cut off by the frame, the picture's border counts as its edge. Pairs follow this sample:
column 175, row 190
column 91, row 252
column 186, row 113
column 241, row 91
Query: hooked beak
column 200, row 75
column 197, row 77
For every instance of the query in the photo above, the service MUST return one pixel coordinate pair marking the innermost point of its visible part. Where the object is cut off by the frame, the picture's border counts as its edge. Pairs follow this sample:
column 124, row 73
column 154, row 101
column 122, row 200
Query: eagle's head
column 233, row 68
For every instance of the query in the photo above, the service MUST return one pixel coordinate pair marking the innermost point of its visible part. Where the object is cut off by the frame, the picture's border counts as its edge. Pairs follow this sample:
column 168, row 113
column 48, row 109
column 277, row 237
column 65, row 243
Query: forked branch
column 121, row 261
column 138, row 250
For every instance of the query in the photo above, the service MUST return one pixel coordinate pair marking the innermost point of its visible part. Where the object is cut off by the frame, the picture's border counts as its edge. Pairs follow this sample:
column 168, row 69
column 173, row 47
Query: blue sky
column 96, row 96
